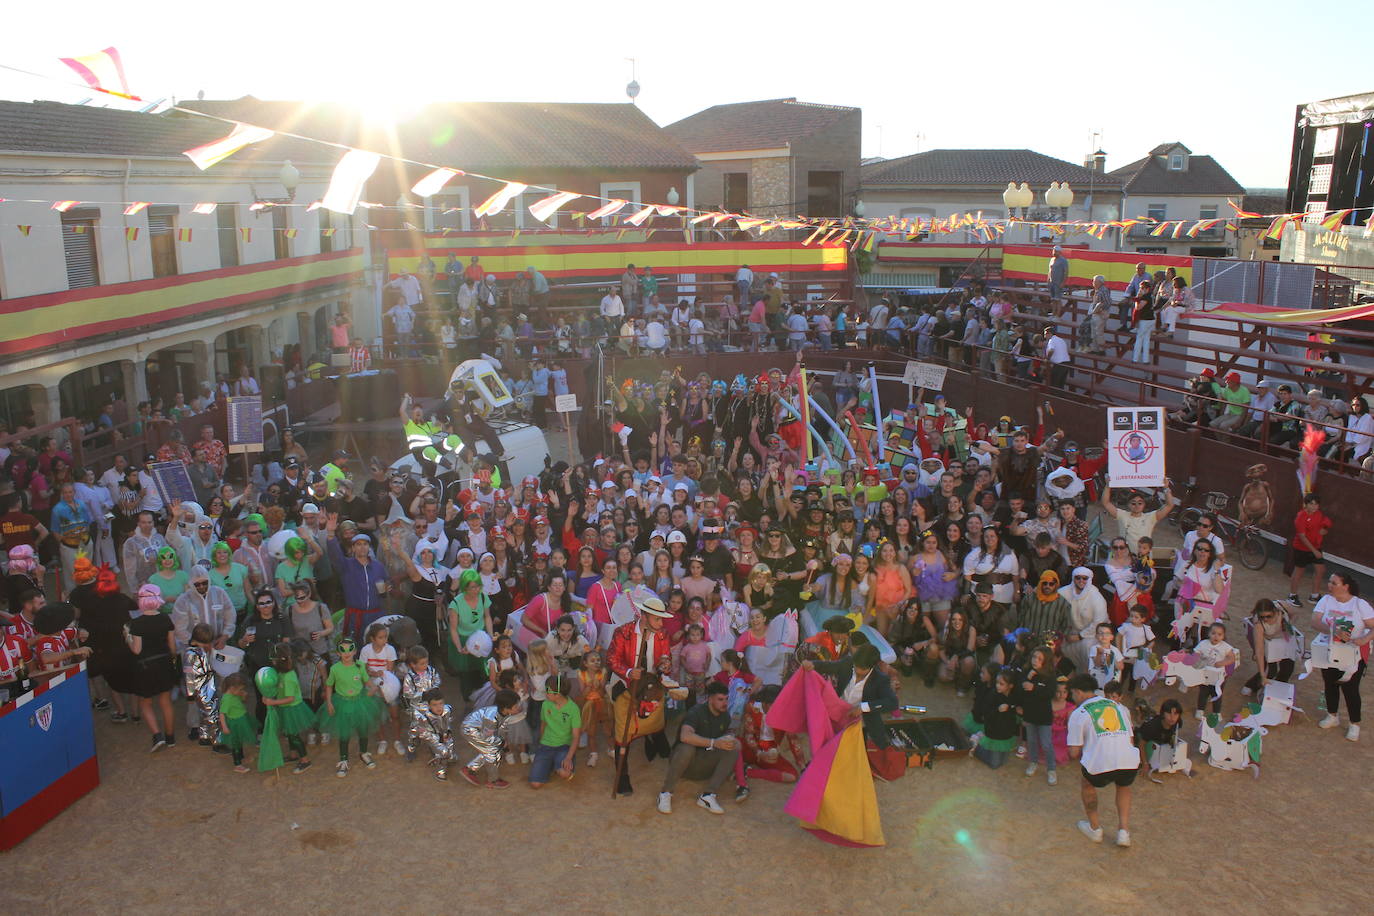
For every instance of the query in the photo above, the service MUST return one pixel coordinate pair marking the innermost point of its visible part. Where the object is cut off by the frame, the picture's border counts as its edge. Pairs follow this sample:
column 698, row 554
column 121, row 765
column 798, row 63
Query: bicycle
column 1248, row 540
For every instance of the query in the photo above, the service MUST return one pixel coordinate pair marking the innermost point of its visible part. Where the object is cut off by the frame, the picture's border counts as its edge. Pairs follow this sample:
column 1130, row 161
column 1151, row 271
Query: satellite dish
column 632, row 89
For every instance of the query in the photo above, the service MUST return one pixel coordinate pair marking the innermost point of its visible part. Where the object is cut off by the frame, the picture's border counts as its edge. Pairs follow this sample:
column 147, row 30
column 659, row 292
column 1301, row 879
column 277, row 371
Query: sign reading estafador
column 924, row 375
column 1135, row 446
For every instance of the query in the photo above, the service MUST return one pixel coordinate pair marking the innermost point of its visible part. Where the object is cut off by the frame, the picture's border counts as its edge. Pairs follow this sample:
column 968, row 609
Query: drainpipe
column 128, row 247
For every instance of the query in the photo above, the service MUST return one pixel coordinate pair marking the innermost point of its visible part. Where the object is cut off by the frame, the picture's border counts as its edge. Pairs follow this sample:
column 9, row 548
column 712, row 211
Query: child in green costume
column 349, row 711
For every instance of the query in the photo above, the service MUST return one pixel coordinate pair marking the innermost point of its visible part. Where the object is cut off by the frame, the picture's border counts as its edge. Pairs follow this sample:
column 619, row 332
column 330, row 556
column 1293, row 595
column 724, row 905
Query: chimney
column 1099, row 161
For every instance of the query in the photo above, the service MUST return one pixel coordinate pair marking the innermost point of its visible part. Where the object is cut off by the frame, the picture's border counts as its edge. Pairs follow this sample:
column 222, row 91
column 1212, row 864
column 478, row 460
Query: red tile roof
column 768, row 124
column 990, row 167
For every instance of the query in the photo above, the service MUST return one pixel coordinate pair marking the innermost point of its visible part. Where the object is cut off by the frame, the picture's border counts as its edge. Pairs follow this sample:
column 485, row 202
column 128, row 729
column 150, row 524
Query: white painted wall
column 880, row 202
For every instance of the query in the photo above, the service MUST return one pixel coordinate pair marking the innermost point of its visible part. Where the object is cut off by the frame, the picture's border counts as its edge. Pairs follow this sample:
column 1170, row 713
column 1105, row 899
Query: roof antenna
column 632, row 88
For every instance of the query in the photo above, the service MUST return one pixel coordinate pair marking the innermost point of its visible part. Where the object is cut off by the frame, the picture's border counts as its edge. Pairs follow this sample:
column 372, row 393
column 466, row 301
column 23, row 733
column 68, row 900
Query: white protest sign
column 565, row 403
column 924, row 375
column 1135, row 446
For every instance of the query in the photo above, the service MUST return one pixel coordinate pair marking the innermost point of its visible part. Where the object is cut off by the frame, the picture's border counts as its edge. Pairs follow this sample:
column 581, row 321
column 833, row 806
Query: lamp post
column 290, row 177
column 859, row 208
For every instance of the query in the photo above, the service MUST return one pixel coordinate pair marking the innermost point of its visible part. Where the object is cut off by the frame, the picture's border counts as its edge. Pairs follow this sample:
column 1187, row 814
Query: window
column 281, row 245
column 1315, row 212
column 1156, row 212
column 227, row 221
column 162, row 239
column 622, row 190
column 1176, row 162
column 736, row 191
column 1319, row 181
column 78, row 244
column 449, row 211
column 326, row 223
column 525, row 219
column 825, row 194
column 1207, row 212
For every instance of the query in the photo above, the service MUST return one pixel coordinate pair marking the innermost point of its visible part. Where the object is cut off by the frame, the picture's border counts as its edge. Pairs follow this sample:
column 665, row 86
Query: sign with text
column 173, row 482
column 565, row 403
column 1135, row 446
column 245, row 423
column 924, row 375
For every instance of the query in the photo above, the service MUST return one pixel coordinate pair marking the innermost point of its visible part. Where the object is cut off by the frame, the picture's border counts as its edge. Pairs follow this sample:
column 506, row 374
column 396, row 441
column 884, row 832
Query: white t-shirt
column 695, row 329
column 655, row 338
column 1211, row 653
column 1356, row 610
column 1104, row 672
column 1133, row 637
column 1102, row 728
column 377, row 662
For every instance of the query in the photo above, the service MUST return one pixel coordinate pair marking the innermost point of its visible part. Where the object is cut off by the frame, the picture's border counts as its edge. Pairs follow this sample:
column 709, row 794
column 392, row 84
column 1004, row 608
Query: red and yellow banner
column 1032, row 262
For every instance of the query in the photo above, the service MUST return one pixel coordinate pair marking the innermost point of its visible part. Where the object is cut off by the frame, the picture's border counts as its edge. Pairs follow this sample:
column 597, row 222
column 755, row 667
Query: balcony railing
column 1137, row 233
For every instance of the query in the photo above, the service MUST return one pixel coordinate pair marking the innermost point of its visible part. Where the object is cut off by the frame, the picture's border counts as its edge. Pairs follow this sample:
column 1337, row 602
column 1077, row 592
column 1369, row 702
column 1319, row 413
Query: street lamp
column 290, row 179
column 1010, row 199
column 859, row 208
column 673, row 197
column 1059, row 197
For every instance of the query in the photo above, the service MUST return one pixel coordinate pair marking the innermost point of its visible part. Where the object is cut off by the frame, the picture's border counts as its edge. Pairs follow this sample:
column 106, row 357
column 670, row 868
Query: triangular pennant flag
column 24, row 230
column 346, row 184
column 204, row 208
column 814, row 235
column 620, row 234
column 290, row 233
column 497, row 202
column 432, row 183
column 247, row 234
column 638, row 219
column 319, row 203
column 719, row 217
column 1178, row 230
column 699, row 218
column 183, row 235
column 1334, row 221
column 668, row 209
column 137, row 206
column 259, row 206
column 868, row 242
column 219, row 150
column 1242, row 214
column 103, row 71
column 62, row 206
column 746, row 224
column 514, row 234
column 543, row 209
column 328, row 233
column 1159, row 230
column 131, row 234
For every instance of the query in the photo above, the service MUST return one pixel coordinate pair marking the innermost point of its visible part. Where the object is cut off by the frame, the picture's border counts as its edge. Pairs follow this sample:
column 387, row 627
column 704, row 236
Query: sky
column 1222, row 77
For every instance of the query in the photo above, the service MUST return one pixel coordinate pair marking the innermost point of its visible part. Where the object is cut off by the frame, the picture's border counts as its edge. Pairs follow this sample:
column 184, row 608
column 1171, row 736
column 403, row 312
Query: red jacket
column 624, row 652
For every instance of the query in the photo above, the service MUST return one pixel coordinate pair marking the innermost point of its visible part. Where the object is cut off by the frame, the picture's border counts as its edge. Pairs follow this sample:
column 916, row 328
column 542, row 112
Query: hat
column 309, row 508
column 1208, row 373
column 676, row 537
column 838, row 624
column 497, row 531
column 646, row 602
column 1233, row 377
column 361, row 537
column 656, row 534
column 631, row 493
column 983, row 588
column 1049, row 575
column 291, row 462
column 1263, row 383
column 681, row 486
column 83, row 570
column 541, row 520
column 611, row 484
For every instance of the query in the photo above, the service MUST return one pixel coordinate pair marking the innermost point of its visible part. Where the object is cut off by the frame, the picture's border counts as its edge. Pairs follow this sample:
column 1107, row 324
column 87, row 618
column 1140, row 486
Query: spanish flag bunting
column 246, row 233
column 620, row 234
column 259, row 206
column 432, row 183
column 136, row 207
column 62, row 206
column 80, row 228
column 328, row 233
column 749, row 223
column 346, row 184
column 1242, row 214
column 844, row 236
column 719, row 217
column 24, row 230
column 868, row 242
column 667, row 209
column 637, row 219
column 1159, row 230
column 204, row 208
column 131, row 233
column 449, row 230
column 699, row 218
column 1178, row 230
column 103, row 71
column 1277, row 227
column 1334, row 221
column 183, row 235
column 1232, row 227
column 543, row 209
column 216, row 152
column 579, row 216
column 291, row 233
column 609, row 208
column 813, row 236
column 515, row 234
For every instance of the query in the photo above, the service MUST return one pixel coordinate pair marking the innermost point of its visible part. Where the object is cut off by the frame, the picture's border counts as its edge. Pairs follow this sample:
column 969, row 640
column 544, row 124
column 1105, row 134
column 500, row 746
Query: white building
column 1173, row 183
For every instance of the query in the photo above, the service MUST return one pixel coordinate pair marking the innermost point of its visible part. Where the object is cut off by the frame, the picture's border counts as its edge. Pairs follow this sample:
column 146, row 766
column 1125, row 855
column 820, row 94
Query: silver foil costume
column 413, row 687
column 202, row 693
column 436, row 731
column 485, row 729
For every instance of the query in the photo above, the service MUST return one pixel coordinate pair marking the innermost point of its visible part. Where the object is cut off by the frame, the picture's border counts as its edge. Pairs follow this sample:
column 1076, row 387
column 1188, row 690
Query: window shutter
column 78, row 244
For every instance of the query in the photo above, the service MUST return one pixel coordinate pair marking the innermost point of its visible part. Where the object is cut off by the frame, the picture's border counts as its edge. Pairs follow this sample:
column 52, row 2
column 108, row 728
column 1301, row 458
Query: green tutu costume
column 288, row 721
column 243, row 725
column 356, row 713
column 469, row 620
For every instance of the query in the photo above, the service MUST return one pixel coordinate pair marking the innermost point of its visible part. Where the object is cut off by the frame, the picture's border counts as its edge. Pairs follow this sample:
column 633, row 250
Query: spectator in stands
column 1057, row 356
column 1058, row 273
column 359, row 356
column 612, row 308
column 1237, row 398
column 1092, row 337
column 629, row 287
column 1143, row 316
column 1141, row 275
column 648, row 284
column 1359, row 433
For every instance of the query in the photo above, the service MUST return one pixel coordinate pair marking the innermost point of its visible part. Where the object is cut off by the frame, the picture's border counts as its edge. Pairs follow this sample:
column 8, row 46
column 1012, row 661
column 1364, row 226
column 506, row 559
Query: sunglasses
column 266, row 603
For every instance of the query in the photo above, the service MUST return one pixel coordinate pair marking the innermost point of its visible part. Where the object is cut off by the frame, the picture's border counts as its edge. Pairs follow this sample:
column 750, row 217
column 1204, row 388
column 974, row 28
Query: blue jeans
column 546, row 760
column 1039, row 738
column 994, row 759
column 1143, row 330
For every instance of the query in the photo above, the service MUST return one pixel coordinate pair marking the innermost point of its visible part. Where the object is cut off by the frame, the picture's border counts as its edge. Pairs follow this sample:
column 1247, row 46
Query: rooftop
column 980, row 167
column 1204, row 175
column 767, row 124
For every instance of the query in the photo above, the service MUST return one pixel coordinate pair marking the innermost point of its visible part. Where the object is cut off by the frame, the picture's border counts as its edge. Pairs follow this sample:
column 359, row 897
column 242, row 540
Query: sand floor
column 179, row 830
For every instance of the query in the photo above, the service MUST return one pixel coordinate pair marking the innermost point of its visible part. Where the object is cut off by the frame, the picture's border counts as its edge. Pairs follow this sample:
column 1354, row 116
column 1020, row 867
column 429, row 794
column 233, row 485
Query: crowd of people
column 491, row 624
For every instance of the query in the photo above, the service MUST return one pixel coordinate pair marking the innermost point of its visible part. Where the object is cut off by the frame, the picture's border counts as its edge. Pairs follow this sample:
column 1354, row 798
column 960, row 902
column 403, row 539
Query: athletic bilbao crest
column 44, row 717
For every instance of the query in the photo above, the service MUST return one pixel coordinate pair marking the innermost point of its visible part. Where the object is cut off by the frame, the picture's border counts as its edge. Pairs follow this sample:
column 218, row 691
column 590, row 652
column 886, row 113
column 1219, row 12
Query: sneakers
column 342, row 769
column 708, row 801
column 1123, row 838
column 192, row 734
column 310, row 739
column 1052, row 778
column 469, row 777
column 119, row 718
column 324, row 737
column 101, row 704
column 1352, row 733
column 510, row 758
column 159, row 742
column 741, row 793
column 367, row 760
column 525, row 757
column 170, row 739
column 1314, row 597
column 1087, row 830
column 592, row 758
column 301, row 767
column 240, row 768
column 1030, row 769
column 441, row 775
column 498, row 784
column 1294, row 600
column 665, row 803
column 1329, row 722
column 381, row 748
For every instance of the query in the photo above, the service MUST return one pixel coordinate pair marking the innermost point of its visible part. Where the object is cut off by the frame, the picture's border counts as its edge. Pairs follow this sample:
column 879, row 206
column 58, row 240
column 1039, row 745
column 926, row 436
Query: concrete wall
column 833, row 149
column 943, row 203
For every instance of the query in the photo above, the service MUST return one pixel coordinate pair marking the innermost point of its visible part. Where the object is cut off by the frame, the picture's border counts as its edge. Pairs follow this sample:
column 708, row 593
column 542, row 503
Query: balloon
column 391, row 687
column 276, row 544
column 479, row 644
column 266, row 679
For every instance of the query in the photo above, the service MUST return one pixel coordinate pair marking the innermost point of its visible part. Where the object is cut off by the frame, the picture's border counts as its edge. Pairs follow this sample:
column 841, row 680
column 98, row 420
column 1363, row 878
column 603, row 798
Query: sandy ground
column 179, row 830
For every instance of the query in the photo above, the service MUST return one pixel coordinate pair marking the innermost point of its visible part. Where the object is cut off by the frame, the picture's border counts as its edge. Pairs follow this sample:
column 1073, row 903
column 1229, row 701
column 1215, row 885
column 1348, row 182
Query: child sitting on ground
column 560, row 729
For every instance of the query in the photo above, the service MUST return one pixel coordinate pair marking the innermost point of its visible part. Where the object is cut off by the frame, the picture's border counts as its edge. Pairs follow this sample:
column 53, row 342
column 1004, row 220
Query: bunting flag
column 328, row 233
column 290, row 233
column 668, row 209
column 346, row 184
column 814, row 234
column 432, row 183
column 1178, row 230
column 80, row 228
column 609, row 208
column 1159, row 230
column 247, row 234
column 1334, row 221
column 749, row 223
column 620, row 234
column 497, row 202
column 719, row 217
column 1277, row 227
column 259, row 206
column 317, row 204
column 103, row 71
column 204, row 208
column 687, row 236
column 131, row 234
column 868, row 242
column 1242, row 214
column 216, row 152
column 515, row 234
column 543, row 209
column 183, row 235
column 638, row 218
column 699, row 218
column 62, row 206
column 137, row 206
column 24, row 230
